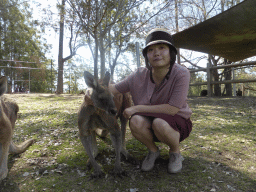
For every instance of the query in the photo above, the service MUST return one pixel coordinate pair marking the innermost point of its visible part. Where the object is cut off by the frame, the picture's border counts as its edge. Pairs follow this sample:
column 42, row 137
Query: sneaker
column 175, row 163
column 149, row 162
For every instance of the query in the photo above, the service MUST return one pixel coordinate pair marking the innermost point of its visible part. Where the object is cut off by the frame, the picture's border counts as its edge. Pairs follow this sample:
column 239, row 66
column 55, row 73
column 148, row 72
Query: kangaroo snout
column 113, row 112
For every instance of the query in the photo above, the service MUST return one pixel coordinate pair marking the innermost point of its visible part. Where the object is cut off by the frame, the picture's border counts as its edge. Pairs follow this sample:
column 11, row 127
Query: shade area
column 231, row 34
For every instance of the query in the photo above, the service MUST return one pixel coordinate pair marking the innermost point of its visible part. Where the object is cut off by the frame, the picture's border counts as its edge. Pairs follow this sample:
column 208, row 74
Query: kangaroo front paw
column 88, row 165
column 132, row 160
column 129, row 158
column 3, row 174
column 97, row 175
column 117, row 172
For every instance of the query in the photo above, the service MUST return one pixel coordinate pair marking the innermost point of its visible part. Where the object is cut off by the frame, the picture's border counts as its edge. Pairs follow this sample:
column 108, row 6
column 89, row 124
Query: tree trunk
column 60, row 57
column 228, row 76
column 177, row 27
column 102, row 59
column 96, row 56
column 215, row 74
column 96, row 37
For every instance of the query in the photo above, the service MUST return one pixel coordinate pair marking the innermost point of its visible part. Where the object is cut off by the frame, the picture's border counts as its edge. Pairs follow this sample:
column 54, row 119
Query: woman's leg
column 141, row 129
column 166, row 134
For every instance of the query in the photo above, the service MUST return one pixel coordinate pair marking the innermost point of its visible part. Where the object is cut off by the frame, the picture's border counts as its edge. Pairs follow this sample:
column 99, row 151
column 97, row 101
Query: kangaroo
column 100, row 110
column 8, row 116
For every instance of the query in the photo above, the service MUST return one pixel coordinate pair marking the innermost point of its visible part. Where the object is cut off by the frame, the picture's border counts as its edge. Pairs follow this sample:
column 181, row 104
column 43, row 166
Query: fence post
column 233, row 78
column 51, row 77
column 29, row 81
column 209, row 88
column 138, row 54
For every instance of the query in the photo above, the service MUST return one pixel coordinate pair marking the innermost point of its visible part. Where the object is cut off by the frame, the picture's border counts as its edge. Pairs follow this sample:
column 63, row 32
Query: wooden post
column 138, row 54
column 177, row 27
column 51, row 77
column 233, row 78
column 209, row 87
column 29, row 82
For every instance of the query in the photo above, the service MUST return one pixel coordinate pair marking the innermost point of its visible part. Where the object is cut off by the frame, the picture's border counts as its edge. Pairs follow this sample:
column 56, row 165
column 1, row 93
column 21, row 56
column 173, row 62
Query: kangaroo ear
column 89, row 80
column 3, row 85
column 106, row 78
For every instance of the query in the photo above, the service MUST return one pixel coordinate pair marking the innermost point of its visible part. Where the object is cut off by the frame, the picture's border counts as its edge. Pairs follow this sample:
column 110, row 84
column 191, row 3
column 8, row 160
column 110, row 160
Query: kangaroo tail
column 17, row 149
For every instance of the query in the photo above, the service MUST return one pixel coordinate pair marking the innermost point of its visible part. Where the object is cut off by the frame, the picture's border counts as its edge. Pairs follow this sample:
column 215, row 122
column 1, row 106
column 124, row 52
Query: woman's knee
column 163, row 130
column 138, row 122
column 161, row 126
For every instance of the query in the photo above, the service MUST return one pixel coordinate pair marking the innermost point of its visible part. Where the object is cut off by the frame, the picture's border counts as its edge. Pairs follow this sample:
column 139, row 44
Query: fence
column 26, row 78
column 210, row 83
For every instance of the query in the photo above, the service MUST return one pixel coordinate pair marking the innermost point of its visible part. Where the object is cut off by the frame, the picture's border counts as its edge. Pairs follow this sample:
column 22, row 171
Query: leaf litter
column 222, row 137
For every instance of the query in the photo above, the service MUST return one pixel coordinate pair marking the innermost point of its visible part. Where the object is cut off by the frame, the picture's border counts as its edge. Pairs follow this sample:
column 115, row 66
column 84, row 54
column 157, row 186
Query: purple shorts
column 178, row 123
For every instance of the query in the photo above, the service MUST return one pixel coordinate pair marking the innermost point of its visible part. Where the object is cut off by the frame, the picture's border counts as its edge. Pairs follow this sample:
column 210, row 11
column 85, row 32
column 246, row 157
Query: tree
column 72, row 75
column 192, row 13
column 196, row 90
column 108, row 25
column 73, row 46
column 60, row 56
column 20, row 41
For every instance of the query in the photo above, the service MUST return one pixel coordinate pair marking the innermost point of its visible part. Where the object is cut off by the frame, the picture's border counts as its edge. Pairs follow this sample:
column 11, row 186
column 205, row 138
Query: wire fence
column 27, row 77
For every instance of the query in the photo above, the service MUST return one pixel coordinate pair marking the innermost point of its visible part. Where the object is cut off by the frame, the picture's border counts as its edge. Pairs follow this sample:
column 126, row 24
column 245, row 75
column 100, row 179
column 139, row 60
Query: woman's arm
column 162, row 108
column 113, row 89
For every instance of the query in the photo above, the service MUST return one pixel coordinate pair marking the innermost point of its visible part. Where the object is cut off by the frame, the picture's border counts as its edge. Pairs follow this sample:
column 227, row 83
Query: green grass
column 219, row 154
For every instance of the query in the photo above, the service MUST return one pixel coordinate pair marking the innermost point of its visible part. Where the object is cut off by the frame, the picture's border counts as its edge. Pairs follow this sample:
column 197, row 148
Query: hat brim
column 144, row 51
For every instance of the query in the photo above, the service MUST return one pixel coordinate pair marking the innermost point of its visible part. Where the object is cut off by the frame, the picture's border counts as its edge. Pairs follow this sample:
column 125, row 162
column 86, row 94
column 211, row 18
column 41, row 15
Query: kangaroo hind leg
column 124, row 152
column 117, row 144
column 4, row 148
column 87, row 142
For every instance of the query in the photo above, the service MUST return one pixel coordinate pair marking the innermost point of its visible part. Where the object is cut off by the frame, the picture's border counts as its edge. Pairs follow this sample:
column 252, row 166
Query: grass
column 219, row 154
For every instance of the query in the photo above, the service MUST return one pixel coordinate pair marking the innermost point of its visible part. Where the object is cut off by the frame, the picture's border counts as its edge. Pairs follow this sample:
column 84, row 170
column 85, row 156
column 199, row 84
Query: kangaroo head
column 101, row 96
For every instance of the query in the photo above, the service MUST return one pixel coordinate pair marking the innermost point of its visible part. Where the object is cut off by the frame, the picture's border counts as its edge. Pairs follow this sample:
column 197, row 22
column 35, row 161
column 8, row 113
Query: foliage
column 219, row 153
column 21, row 41
column 73, row 74
column 196, row 90
column 246, row 73
column 109, row 27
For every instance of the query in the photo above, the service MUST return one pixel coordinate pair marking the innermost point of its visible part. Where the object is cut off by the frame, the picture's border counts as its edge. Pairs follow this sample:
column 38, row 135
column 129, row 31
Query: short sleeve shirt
column 173, row 90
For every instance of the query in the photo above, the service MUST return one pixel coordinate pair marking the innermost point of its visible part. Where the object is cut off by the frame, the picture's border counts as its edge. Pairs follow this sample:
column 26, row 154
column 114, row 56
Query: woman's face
column 159, row 55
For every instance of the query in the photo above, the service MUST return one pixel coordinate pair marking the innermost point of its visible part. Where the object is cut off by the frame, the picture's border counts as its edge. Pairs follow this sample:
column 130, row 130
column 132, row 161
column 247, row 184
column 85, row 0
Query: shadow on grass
column 224, row 101
column 57, row 97
column 197, row 175
column 203, row 169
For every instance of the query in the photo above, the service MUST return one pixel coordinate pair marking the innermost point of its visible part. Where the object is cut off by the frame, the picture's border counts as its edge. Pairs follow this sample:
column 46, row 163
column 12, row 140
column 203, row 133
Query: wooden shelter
column 231, row 34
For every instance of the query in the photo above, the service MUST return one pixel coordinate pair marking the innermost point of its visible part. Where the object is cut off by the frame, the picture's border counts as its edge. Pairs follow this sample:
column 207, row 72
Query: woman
column 159, row 92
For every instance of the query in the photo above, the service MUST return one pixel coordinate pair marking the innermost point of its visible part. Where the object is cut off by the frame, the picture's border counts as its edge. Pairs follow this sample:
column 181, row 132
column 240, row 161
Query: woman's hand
column 128, row 112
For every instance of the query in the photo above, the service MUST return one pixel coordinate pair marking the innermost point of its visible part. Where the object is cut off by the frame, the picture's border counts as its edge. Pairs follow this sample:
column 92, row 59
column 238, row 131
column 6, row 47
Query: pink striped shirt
column 173, row 90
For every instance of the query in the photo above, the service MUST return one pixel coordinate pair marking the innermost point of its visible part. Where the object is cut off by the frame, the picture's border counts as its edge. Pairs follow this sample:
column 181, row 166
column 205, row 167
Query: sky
column 53, row 37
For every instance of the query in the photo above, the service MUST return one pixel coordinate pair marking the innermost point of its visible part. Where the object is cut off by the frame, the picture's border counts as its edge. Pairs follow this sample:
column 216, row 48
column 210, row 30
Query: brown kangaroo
column 100, row 110
column 8, row 116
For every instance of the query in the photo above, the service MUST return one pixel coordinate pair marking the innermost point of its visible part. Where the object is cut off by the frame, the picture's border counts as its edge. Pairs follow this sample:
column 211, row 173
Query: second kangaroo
column 100, row 110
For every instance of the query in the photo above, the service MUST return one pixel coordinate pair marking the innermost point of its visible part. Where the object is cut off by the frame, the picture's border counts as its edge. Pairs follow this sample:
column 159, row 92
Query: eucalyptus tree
column 190, row 13
column 216, row 60
column 74, row 43
column 227, row 73
column 109, row 27
column 20, row 40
